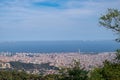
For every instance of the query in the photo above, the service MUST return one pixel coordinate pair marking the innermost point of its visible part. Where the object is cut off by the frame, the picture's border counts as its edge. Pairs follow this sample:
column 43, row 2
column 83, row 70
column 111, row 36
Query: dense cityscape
column 88, row 61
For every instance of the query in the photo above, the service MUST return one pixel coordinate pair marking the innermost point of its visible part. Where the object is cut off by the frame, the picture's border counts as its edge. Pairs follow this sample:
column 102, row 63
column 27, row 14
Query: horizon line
column 53, row 40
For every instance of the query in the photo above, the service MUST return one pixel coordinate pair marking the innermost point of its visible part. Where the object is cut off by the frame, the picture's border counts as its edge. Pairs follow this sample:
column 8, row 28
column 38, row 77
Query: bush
column 75, row 73
column 110, row 70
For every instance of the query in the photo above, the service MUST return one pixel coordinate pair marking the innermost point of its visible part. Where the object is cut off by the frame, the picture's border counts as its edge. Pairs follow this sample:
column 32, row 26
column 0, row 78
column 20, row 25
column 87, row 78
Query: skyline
column 39, row 20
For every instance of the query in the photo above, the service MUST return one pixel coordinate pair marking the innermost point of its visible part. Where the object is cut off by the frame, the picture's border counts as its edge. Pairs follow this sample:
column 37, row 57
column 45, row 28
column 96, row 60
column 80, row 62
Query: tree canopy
column 111, row 20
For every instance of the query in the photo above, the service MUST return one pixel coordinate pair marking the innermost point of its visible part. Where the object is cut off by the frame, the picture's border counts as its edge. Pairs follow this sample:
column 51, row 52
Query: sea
column 59, row 46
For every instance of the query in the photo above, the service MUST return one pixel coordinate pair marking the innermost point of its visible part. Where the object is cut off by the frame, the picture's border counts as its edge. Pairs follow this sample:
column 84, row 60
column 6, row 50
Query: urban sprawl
column 56, row 60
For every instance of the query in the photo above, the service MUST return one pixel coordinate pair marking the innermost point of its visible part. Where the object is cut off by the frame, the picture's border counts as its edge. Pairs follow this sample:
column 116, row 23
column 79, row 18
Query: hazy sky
column 30, row 20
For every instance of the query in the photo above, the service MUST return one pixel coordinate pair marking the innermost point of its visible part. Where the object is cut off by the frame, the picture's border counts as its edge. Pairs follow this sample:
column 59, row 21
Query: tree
column 52, row 77
column 16, row 75
column 111, row 20
column 110, row 70
column 75, row 72
column 118, row 56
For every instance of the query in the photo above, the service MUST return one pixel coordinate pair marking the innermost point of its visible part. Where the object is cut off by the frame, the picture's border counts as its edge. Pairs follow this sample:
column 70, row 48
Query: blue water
column 59, row 46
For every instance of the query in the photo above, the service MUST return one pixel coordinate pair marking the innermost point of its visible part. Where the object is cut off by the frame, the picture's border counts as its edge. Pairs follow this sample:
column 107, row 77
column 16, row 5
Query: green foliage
column 15, row 75
column 52, row 77
column 111, row 20
column 96, row 74
column 75, row 73
column 5, row 75
column 109, row 71
column 118, row 55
